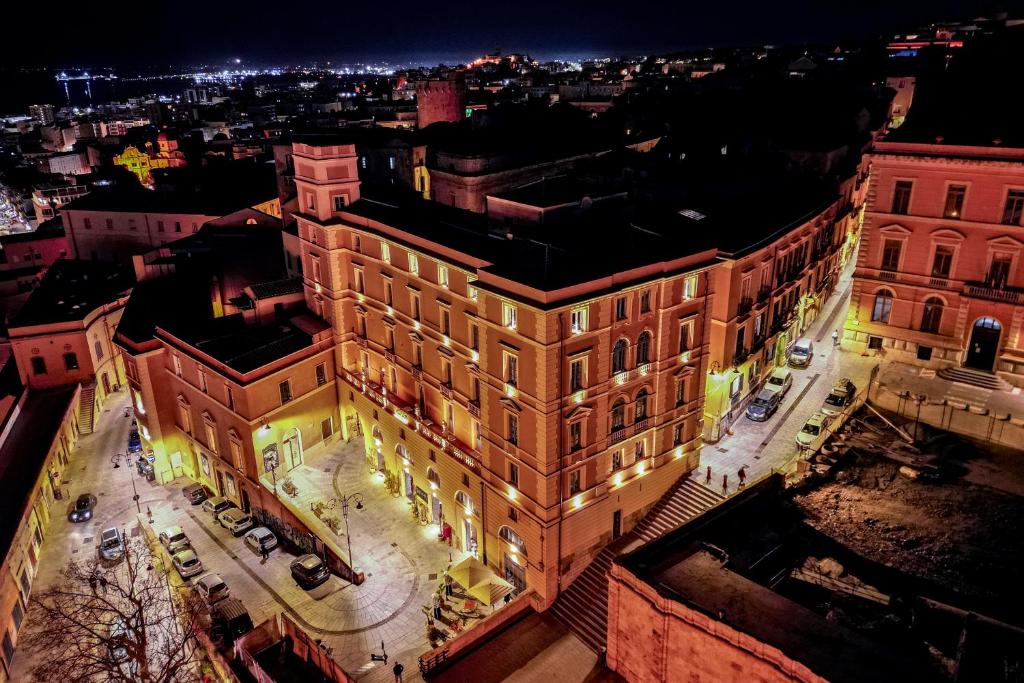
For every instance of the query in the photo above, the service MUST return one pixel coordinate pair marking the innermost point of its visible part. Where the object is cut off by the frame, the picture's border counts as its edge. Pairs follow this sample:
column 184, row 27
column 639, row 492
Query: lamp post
column 116, row 460
column 345, row 498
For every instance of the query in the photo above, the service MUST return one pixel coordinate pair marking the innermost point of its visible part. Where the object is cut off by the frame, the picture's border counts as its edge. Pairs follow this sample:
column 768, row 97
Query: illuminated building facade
column 142, row 163
column 939, row 275
column 540, row 415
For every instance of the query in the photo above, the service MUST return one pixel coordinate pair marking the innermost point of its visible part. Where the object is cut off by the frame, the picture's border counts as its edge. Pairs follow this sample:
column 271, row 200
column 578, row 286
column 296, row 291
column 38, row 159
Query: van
column 801, row 353
column 763, row 405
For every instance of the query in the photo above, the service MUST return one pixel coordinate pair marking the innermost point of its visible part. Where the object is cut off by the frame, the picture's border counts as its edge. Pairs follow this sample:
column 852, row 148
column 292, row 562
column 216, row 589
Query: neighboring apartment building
column 537, row 397
column 939, row 275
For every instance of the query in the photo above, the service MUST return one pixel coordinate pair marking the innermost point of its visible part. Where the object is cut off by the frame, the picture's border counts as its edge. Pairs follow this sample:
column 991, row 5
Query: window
column 901, row 196
column 446, row 372
column 513, row 474
column 616, row 460
column 999, row 270
column 474, row 336
column 357, row 243
column 643, row 348
column 474, row 390
column 1014, row 209
column 211, row 433
column 321, row 374
column 931, row 318
column 578, row 320
column 414, row 305
column 185, row 415
column 509, row 316
column 924, row 353
column 689, row 287
column 389, row 339
column 87, row 223
column 236, row 451
column 202, row 382
column 385, row 252
column 38, row 365
column 513, row 514
column 340, row 202
column 359, row 280
column 511, row 369
column 512, row 538
column 8, row 647
column 891, row 254
column 18, row 613
column 883, row 307
column 680, row 392
column 361, row 325
column 640, row 406
column 97, row 347
column 176, row 359
column 446, row 322
column 110, row 224
column 618, row 414
column 414, row 264
column 285, row 389
column 577, row 375
column 619, row 357
column 471, row 292
column 686, row 336
column 315, row 261
column 574, row 482
column 955, row 201
column 310, row 202
column 70, row 361
column 417, row 355
column 638, row 451
column 159, row 226
column 177, row 226
column 874, row 343
column 576, row 435
column 512, row 429
column 645, row 301
column 442, row 275
column 677, row 434
column 942, row 264
column 620, row 308
column 389, row 293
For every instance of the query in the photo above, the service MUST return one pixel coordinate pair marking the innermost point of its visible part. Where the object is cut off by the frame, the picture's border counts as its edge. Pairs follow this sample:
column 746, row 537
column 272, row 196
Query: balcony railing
column 361, row 340
column 474, row 408
column 389, row 356
column 643, row 369
column 740, row 356
column 889, row 275
column 446, row 389
column 617, row 435
column 980, row 290
column 417, row 372
column 764, row 293
column 939, row 282
column 746, row 303
column 641, row 425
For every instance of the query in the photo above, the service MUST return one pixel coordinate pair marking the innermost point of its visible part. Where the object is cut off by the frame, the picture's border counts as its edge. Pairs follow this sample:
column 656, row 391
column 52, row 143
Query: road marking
column 785, row 415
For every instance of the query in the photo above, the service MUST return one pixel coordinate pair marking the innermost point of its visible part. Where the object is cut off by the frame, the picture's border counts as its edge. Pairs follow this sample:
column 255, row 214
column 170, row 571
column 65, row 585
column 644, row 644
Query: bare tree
column 120, row 622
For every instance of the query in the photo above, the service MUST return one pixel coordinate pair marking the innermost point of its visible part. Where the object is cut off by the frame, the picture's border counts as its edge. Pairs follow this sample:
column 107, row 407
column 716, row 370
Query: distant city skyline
column 410, row 33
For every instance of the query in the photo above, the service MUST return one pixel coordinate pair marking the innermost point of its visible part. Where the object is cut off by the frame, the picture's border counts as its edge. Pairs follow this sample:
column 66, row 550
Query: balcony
column 746, row 303
column 643, row 369
column 889, row 275
column 620, row 377
column 980, row 290
column 361, row 340
column 938, row 282
column 389, row 356
column 740, row 356
column 417, row 372
column 446, row 389
column 617, row 435
column 642, row 425
column 474, row 408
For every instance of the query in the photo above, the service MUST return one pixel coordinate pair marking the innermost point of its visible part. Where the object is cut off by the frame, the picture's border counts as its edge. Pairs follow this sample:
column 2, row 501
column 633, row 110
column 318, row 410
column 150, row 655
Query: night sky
column 141, row 32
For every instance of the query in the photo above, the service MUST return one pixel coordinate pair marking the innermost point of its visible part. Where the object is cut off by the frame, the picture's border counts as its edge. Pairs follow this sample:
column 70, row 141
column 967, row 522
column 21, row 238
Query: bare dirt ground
column 961, row 532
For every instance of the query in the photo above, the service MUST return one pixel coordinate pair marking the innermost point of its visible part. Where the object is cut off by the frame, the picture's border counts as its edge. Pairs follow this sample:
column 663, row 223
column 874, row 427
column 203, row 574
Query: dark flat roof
column 208, row 198
column 70, row 290
column 23, row 454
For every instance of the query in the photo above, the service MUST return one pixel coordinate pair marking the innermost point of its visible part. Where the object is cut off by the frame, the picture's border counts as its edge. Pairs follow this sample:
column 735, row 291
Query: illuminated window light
column 621, row 378
column 475, row 355
column 577, row 502
column 391, row 311
column 512, row 493
column 579, row 396
column 510, row 391
column 416, row 325
column 316, row 287
column 406, row 469
column 469, row 511
column 617, row 479
column 447, row 341
column 433, row 486
column 377, row 442
column 641, row 468
column 684, row 357
column 679, row 452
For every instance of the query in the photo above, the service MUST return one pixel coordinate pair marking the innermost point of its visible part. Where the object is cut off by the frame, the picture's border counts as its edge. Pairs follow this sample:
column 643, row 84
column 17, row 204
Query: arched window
column 883, row 307
column 378, row 437
column 464, row 501
column 433, row 477
column 403, row 453
column 512, row 538
column 640, row 405
column 619, row 357
column 618, row 414
column 643, row 348
column 932, row 316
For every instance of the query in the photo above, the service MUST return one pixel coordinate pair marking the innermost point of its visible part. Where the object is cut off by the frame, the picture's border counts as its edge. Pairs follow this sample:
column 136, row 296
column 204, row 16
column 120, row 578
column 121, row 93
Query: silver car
column 111, row 544
column 187, row 563
column 174, row 539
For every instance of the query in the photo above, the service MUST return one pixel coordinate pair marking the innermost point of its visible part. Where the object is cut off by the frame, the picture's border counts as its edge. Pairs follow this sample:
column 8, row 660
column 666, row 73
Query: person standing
column 725, row 484
column 708, row 480
column 437, row 606
column 835, row 338
column 742, row 474
column 264, row 552
column 397, row 670
column 449, row 585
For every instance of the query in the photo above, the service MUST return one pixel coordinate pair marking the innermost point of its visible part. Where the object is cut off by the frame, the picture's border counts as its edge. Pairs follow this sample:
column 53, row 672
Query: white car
column 211, row 588
column 187, row 563
column 261, row 538
column 780, row 380
column 217, row 505
column 814, row 432
column 235, row 521
column 174, row 539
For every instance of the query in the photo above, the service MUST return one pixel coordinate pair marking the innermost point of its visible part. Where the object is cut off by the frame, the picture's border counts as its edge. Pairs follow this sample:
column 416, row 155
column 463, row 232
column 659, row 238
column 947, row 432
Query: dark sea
column 22, row 87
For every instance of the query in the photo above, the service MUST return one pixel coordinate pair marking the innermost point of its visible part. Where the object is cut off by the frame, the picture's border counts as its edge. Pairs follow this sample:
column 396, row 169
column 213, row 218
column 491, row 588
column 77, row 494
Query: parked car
column 309, row 571
column 801, row 353
column 82, row 510
column 174, row 539
column 779, row 381
column 187, row 563
column 230, row 619
column 217, row 505
column 261, row 538
column 842, row 395
column 118, row 634
column 195, row 493
column 111, row 544
column 764, row 404
column 235, row 521
column 814, row 431
column 211, row 588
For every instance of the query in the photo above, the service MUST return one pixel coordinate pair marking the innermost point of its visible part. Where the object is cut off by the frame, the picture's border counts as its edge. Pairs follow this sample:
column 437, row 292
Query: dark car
column 195, row 493
column 309, row 571
column 82, row 511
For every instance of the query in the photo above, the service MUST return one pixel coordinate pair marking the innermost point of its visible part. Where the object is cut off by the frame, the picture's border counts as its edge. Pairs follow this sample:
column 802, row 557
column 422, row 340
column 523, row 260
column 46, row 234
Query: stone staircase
column 87, row 408
column 583, row 606
column 975, row 378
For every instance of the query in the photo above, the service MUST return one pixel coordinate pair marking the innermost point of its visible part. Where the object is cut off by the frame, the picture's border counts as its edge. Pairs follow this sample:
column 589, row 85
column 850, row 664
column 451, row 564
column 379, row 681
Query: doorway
column 616, row 524
column 469, row 533
column 435, row 509
column 409, row 487
column 220, row 482
column 106, row 384
column 984, row 344
column 246, row 506
column 292, row 448
column 515, row 574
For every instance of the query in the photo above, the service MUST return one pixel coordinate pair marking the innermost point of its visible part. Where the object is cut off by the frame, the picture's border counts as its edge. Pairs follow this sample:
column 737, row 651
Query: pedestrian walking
column 708, row 480
column 398, row 669
column 742, row 474
column 103, row 584
column 92, row 582
column 437, row 606
column 725, row 483
column 264, row 552
column 449, row 585
column 835, row 338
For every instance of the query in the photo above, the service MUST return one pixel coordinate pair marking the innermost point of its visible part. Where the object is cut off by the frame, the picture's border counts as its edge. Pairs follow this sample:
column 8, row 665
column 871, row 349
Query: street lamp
column 116, row 460
column 358, row 498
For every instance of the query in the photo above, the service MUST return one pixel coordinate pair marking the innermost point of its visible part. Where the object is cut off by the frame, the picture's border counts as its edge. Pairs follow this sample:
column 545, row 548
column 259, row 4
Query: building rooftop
column 71, row 290
column 723, row 564
column 23, row 453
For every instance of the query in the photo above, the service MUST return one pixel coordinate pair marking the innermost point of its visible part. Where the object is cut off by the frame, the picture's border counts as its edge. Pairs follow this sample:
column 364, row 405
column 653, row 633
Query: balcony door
column 984, row 344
